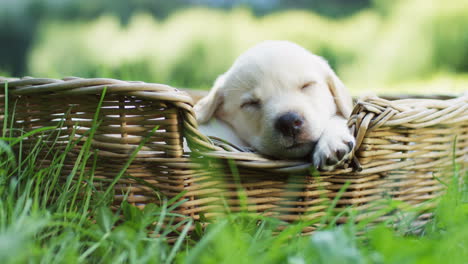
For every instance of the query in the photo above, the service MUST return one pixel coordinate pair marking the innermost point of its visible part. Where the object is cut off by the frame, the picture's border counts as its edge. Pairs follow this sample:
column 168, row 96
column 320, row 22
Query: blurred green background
column 383, row 46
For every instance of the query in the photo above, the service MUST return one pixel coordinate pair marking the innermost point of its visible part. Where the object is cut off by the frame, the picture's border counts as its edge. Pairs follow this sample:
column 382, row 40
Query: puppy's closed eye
column 307, row 85
column 251, row 103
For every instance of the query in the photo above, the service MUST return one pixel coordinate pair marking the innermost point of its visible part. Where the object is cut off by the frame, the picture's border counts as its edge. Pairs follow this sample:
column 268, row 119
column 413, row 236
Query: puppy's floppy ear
column 343, row 99
column 207, row 106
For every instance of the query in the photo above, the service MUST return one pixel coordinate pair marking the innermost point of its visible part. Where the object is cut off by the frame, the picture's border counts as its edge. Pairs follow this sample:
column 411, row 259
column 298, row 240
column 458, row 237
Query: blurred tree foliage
column 20, row 19
column 178, row 43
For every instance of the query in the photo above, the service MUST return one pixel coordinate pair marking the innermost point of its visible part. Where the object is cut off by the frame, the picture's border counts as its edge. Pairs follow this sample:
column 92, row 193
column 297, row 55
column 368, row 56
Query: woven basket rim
column 410, row 111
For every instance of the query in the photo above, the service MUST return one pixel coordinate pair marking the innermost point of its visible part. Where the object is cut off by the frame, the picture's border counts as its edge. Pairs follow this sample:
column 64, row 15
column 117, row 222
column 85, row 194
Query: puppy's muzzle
column 290, row 124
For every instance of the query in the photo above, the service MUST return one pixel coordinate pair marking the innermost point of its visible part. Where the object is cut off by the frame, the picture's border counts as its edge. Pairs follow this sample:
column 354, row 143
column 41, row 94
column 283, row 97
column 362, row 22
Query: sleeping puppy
column 282, row 101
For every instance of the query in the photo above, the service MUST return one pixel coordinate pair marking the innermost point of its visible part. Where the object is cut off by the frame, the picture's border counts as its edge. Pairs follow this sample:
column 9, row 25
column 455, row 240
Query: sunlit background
column 381, row 46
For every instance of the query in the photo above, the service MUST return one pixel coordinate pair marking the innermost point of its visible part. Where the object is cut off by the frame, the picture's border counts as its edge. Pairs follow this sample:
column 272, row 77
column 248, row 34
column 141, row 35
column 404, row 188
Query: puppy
column 282, row 101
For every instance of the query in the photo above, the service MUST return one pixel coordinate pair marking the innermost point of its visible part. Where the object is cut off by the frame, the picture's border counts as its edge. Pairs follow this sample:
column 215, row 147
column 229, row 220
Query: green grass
column 44, row 220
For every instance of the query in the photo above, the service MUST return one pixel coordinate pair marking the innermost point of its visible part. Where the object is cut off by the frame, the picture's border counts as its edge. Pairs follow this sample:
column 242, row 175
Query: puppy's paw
column 332, row 150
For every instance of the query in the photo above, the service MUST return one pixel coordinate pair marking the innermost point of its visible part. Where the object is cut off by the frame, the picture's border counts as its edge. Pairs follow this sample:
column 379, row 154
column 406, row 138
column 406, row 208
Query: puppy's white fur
column 269, row 80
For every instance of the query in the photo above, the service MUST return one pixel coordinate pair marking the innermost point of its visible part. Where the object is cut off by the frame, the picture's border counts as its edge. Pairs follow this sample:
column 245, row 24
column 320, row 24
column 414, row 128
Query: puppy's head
column 278, row 97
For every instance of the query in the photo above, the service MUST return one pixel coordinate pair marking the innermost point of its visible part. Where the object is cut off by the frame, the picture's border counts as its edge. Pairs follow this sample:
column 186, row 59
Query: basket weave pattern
column 401, row 146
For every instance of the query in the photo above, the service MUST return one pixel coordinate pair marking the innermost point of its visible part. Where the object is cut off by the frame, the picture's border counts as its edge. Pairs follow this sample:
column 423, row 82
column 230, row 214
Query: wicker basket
column 401, row 145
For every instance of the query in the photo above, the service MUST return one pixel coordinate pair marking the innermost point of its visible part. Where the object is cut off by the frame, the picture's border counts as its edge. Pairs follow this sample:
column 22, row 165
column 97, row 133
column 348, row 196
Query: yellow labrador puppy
column 282, row 101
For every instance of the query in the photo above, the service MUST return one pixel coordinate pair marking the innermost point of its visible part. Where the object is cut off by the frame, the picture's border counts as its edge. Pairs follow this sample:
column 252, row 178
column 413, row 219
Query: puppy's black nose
column 289, row 124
